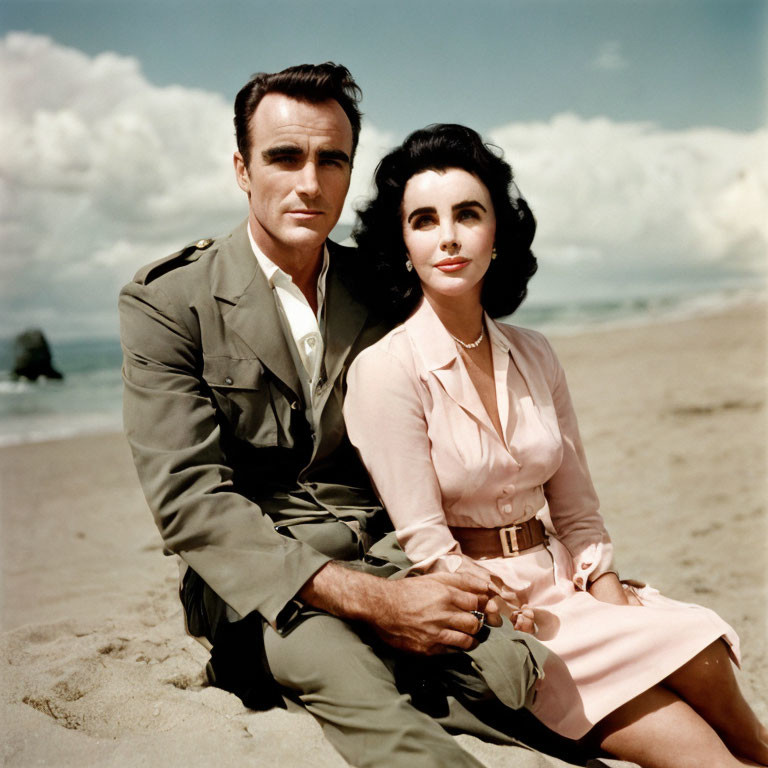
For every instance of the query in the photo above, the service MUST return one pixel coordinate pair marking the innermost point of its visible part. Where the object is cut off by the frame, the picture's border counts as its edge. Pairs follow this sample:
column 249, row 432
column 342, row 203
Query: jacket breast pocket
column 241, row 394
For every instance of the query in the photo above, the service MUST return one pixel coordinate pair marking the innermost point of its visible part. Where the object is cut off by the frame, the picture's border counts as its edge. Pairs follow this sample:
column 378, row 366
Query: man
column 235, row 358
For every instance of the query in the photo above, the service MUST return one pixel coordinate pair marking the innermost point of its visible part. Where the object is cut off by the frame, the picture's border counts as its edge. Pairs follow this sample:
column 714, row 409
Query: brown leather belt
column 509, row 541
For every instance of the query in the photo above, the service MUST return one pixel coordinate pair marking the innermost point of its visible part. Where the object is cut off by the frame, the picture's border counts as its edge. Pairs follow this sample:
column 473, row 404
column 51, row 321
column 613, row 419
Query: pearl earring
column 409, row 264
column 493, row 253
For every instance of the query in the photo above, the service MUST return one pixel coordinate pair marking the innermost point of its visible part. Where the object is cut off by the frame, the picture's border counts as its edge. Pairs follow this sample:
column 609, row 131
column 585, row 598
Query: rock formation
column 33, row 356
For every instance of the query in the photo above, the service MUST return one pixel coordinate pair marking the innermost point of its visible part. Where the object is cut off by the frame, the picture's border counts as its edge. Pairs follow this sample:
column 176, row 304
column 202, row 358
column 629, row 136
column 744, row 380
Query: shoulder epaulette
column 186, row 255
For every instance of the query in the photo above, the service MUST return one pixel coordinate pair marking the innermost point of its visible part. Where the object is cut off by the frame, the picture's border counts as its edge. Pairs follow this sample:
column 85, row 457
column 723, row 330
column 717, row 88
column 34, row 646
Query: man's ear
column 241, row 173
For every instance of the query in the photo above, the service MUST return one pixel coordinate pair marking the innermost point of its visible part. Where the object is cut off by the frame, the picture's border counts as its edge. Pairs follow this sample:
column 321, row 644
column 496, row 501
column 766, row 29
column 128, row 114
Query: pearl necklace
column 474, row 344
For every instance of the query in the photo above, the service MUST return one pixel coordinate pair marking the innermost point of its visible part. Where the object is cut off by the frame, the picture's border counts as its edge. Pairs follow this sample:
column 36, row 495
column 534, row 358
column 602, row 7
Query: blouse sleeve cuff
column 430, row 548
column 591, row 563
column 447, row 563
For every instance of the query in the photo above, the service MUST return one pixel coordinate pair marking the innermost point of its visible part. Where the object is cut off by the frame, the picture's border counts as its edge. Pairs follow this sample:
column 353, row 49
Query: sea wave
column 31, row 429
column 88, row 399
column 564, row 319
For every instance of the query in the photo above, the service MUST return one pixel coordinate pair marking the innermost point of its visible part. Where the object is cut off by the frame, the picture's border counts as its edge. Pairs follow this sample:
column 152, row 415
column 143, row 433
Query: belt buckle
column 509, row 545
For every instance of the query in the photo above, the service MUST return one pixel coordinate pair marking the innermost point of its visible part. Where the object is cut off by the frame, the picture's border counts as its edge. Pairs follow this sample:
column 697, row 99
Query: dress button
column 507, row 509
column 295, row 405
column 227, row 380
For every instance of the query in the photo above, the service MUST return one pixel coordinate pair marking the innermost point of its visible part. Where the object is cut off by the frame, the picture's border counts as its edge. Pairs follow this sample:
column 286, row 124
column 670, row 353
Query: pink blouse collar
column 435, row 345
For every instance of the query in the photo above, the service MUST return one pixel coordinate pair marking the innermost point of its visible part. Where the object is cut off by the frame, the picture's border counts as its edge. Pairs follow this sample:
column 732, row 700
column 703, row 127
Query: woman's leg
column 658, row 730
column 708, row 685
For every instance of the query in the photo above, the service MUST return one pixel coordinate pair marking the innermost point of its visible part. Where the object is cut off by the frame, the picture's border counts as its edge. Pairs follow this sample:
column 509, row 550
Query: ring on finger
column 480, row 616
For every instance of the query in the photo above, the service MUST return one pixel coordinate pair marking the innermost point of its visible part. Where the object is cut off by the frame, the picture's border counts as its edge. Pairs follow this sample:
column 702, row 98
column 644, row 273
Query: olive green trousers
column 380, row 707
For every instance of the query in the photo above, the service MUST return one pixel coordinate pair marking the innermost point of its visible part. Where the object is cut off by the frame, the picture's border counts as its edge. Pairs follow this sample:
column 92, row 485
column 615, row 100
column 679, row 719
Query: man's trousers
column 376, row 705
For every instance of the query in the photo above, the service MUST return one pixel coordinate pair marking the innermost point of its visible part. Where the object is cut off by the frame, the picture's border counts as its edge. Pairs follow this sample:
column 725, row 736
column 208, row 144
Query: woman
column 467, row 429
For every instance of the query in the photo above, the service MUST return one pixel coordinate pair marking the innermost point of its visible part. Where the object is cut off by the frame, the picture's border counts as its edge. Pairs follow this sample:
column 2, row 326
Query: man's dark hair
column 306, row 82
column 382, row 280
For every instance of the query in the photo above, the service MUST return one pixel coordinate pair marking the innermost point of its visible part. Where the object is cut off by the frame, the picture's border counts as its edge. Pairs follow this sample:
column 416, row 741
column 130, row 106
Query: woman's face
column 449, row 227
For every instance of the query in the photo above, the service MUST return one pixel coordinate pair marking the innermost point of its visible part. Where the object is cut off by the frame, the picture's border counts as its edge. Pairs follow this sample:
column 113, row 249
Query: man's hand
column 423, row 614
column 433, row 613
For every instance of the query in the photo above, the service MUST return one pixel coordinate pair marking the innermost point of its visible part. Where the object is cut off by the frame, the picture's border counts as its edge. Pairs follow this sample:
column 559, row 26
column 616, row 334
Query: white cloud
column 374, row 144
column 609, row 57
column 101, row 172
column 632, row 193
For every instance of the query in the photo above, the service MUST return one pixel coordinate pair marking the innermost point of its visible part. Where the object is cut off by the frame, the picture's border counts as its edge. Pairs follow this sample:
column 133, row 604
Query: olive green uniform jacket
column 235, row 475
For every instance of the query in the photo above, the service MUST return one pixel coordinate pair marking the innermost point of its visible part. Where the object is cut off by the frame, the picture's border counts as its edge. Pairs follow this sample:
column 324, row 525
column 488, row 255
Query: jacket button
column 228, row 380
column 295, row 405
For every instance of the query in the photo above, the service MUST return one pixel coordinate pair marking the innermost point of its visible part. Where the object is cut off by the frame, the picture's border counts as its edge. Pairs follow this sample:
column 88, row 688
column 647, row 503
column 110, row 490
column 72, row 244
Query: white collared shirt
column 301, row 323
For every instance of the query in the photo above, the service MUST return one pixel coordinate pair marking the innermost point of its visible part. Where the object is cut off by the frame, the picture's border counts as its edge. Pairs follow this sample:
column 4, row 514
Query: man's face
column 298, row 174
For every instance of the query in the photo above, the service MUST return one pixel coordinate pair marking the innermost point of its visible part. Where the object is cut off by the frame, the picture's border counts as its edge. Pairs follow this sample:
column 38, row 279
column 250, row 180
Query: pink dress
column 436, row 461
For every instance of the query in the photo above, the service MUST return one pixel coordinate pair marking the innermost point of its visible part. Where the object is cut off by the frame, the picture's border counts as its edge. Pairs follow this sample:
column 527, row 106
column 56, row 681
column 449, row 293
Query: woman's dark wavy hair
column 383, row 282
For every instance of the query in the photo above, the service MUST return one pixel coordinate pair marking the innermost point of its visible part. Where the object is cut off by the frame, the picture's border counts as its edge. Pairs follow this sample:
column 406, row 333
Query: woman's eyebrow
column 457, row 207
column 469, row 204
column 418, row 212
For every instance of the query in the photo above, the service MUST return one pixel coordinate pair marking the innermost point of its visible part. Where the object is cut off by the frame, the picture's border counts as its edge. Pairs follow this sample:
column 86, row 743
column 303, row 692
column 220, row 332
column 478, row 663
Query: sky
column 636, row 128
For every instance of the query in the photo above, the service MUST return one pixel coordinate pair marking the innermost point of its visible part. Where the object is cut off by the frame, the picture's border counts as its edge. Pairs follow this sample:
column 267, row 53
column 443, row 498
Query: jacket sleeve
column 386, row 423
column 173, row 430
column 573, row 502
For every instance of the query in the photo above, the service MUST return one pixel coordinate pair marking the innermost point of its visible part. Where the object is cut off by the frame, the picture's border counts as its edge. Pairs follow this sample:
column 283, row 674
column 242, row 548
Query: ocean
column 88, row 400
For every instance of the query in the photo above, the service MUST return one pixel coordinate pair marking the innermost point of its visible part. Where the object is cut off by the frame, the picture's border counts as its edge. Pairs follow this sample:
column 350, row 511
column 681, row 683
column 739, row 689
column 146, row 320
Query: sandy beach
column 97, row 670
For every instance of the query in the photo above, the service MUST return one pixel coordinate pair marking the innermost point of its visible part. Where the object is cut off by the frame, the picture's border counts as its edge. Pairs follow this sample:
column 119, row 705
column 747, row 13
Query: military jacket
column 250, row 496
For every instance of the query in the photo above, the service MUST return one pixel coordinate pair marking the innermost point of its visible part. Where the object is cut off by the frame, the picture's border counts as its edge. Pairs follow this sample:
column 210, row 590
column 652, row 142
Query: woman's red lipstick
column 453, row 264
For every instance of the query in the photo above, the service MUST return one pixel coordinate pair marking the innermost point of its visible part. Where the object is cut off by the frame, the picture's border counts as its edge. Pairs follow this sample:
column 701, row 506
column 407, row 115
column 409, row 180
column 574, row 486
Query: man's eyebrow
column 288, row 149
column 333, row 154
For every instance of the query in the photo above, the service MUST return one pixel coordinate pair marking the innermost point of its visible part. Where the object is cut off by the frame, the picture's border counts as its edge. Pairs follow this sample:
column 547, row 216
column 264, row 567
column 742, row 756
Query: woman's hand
column 524, row 620
column 505, row 603
column 608, row 589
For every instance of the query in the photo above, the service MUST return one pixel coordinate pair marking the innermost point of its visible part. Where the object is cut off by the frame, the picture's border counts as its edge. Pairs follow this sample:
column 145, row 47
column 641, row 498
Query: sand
column 97, row 670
